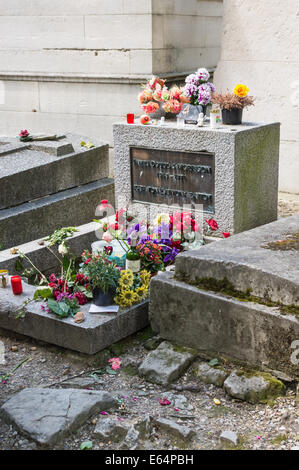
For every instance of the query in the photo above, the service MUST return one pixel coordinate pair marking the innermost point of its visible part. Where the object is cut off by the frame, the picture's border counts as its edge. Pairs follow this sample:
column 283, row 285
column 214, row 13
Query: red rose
column 226, row 234
column 212, row 224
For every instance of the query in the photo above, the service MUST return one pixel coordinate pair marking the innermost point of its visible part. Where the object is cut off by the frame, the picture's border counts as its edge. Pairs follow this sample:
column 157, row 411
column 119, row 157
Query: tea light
column 16, row 284
column 130, row 118
column 3, row 278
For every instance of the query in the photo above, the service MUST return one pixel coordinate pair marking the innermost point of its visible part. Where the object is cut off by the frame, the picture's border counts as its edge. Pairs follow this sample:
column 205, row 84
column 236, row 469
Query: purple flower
column 171, row 255
column 203, row 74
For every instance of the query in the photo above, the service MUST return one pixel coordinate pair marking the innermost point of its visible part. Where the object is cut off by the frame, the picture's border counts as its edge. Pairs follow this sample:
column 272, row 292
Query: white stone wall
column 76, row 65
column 260, row 47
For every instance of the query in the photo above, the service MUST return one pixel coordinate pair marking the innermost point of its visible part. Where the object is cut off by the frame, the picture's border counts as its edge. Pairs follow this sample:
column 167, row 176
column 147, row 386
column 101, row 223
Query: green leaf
column 42, row 293
column 66, row 262
column 82, row 143
column 110, row 371
column 214, row 362
column 19, row 265
column 58, row 308
column 86, row 445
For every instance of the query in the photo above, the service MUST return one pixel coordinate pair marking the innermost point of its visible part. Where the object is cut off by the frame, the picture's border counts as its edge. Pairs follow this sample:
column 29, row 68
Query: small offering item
column 16, row 284
column 3, row 278
column 200, row 120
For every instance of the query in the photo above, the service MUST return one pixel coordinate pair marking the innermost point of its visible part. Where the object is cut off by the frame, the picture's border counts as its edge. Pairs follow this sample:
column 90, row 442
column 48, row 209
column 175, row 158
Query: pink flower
column 150, row 108
column 24, row 133
column 164, row 402
column 103, row 413
column 104, row 205
column 116, row 363
column 212, row 224
column 107, row 237
column 226, row 234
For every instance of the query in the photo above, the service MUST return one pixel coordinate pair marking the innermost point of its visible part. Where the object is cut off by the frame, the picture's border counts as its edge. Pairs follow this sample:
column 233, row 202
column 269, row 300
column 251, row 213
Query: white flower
column 62, row 249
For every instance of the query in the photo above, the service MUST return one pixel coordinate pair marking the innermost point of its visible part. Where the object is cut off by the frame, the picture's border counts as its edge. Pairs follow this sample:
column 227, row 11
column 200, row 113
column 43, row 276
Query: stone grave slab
column 96, row 333
column 46, row 415
column 265, row 260
column 31, row 170
column 41, row 217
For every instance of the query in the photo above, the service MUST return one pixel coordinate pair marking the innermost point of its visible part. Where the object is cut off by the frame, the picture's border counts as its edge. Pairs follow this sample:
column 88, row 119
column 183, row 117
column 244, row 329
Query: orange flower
column 241, row 90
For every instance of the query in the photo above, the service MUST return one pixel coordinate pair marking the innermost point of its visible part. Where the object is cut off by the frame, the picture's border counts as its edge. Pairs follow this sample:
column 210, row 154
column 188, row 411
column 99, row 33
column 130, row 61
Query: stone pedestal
column 239, row 163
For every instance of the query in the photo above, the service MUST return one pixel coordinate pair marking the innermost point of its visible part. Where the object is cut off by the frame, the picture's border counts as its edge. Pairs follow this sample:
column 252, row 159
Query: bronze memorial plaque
column 173, row 177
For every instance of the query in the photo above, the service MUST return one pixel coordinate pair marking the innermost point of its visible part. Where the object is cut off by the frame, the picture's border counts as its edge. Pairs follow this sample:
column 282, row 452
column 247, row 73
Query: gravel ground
column 258, row 426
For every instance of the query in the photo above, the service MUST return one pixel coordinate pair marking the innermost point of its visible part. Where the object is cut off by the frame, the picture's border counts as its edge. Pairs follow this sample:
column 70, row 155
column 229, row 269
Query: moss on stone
column 289, row 244
column 277, row 440
column 184, row 349
column 130, row 370
column 225, row 287
column 274, row 389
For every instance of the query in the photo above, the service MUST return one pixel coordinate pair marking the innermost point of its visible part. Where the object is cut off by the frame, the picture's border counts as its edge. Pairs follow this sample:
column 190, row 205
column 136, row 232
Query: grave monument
column 231, row 171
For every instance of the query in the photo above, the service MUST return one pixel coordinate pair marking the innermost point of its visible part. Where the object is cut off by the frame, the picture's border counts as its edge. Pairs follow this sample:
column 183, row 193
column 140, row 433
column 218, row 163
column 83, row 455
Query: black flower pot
column 103, row 299
column 232, row 116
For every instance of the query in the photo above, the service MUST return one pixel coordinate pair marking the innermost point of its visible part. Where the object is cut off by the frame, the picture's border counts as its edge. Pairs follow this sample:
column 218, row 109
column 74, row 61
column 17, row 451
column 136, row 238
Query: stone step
column 41, row 217
column 30, row 170
column 220, row 325
column 265, row 260
column 97, row 332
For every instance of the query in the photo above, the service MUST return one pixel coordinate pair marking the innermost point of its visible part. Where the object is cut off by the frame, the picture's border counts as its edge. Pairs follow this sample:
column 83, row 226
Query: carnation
column 203, row 74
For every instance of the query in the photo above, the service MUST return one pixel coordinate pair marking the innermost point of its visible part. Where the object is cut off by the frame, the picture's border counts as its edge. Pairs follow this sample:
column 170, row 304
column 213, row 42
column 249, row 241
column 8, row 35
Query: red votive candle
column 130, row 118
column 16, row 284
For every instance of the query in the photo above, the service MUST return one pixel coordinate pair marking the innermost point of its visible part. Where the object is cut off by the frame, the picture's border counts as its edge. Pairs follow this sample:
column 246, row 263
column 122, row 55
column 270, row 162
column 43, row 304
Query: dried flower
column 231, row 101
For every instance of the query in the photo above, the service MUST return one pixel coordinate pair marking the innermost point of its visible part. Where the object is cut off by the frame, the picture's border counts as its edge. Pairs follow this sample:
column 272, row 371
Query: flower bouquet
column 156, row 99
column 199, row 91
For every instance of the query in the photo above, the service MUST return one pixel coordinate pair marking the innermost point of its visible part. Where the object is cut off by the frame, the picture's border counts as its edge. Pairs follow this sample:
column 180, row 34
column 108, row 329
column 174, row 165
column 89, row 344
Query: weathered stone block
column 46, row 415
column 210, row 375
column 211, row 322
column 246, row 166
column 253, row 387
column 166, row 363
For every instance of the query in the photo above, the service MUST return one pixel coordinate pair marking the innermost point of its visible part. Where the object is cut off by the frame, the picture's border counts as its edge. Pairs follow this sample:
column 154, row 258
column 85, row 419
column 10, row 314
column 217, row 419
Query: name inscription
column 173, row 177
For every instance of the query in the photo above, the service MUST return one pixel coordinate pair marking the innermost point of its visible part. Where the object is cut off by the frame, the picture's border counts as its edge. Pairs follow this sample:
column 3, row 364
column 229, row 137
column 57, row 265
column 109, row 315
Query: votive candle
column 130, row 118
column 16, row 284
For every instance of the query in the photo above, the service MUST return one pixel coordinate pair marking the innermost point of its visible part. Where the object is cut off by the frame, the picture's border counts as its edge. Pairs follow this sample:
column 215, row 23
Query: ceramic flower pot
column 102, row 299
column 232, row 116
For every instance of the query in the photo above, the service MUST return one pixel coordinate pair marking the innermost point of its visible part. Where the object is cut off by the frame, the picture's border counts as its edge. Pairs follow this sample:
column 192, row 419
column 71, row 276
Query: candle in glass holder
column 130, row 118
column 16, row 285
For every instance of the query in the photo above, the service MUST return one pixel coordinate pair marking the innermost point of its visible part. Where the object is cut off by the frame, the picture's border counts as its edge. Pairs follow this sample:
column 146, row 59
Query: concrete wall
column 76, row 66
column 260, row 47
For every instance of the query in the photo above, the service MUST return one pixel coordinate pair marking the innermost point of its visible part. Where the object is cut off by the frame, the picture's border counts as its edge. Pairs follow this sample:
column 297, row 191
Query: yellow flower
column 241, row 90
column 145, row 277
column 141, row 292
column 128, row 297
column 162, row 218
column 126, row 279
